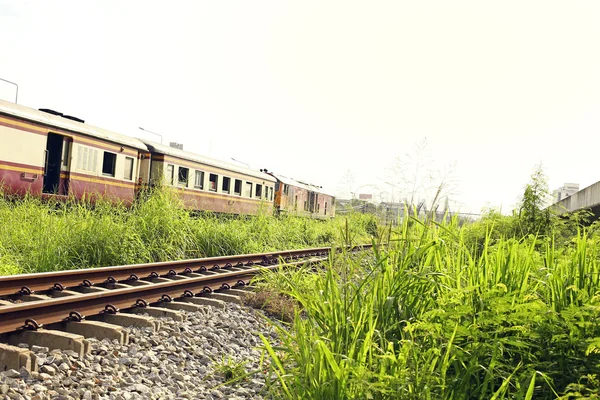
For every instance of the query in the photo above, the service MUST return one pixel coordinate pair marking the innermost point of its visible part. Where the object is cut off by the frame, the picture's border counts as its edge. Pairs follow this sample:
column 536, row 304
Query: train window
column 108, row 164
column 318, row 207
column 277, row 186
column 258, row 193
column 271, row 193
column 80, row 152
column 128, row 168
column 213, row 182
column 199, row 182
column 170, row 173
column 248, row 190
column 182, row 176
column 305, row 206
column 226, row 184
column 237, row 187
column 296, row 203
column 286, row 189
column 325, row 209
column 65, row 153
column 87, row 159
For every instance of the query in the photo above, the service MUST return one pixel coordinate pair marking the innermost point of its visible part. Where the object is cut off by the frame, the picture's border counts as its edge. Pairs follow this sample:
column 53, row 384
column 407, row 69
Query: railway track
column 28, row 302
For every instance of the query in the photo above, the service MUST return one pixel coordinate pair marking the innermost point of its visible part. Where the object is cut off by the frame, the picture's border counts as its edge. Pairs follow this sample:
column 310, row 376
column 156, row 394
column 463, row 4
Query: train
column 48, row 154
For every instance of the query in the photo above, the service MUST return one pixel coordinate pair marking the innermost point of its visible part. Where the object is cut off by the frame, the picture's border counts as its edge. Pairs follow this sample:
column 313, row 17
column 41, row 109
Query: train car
column 204, row 183
column 46, row 153
column 292, row 196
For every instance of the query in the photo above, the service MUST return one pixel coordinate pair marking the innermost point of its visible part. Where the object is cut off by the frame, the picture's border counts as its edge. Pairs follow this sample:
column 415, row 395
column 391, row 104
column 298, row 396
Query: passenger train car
column 48, row 154
column 295, row 197
column 208, row 184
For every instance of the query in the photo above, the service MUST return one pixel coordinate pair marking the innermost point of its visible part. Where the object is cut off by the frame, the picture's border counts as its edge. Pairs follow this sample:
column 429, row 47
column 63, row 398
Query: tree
column 535, row 217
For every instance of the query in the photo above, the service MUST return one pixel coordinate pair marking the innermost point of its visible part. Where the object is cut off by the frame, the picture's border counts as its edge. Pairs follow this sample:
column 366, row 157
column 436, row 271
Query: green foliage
column 535, row 218
column 430, row 316
column 231, row 371
column 37, row 236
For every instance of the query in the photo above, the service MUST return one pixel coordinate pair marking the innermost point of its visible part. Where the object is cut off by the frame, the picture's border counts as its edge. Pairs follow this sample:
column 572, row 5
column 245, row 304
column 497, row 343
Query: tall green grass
column 433, row 315
column 37, row 236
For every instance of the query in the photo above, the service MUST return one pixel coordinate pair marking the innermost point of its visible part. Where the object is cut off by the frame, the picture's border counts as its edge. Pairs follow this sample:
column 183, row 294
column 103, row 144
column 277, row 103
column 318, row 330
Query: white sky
column 314, row 89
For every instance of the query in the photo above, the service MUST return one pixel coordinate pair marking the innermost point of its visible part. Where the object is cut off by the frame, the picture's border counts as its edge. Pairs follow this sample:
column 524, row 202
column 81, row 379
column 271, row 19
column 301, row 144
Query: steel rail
column 54, row 310
column 188, row 282
column 41, row 282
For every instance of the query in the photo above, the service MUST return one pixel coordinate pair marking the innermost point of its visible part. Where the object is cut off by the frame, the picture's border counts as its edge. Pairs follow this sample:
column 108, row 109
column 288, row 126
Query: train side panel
column 21, row 157
column 50, row 161
column 103, row 169
column 205, row 187
column 49, row 154
column 302, row 199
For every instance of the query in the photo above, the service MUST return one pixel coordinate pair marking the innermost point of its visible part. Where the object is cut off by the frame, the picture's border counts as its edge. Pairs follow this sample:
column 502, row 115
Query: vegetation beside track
column 504, row 308
column 434, row 316
column 37, row 236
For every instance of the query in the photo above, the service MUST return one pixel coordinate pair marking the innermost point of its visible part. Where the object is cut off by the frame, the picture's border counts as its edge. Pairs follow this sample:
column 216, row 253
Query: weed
column 429, row 316
column 37, row 236
column 232, row 371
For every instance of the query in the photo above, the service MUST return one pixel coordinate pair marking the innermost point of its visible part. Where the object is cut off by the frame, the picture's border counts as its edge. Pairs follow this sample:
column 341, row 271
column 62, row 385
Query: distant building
column 365, row 196
column 568, row 189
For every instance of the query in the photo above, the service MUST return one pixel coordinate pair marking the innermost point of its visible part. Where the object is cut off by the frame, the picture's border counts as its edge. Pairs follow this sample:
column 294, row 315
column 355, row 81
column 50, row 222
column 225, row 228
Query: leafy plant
column 430, row 316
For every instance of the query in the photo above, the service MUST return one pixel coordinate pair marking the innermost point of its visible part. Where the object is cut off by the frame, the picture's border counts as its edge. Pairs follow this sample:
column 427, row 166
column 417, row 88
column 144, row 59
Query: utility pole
column 17, row 86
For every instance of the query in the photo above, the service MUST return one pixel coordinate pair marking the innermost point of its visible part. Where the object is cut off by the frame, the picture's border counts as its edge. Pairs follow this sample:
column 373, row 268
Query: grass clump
column 429, row 316
column 38, row 236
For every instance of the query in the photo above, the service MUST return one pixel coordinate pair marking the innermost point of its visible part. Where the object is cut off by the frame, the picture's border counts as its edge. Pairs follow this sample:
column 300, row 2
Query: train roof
column 62, row 122
column 303, row 185
column 186, row 155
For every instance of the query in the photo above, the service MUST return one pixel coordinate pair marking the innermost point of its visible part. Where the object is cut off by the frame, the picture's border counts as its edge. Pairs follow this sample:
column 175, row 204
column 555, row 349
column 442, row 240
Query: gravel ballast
column 183, row 360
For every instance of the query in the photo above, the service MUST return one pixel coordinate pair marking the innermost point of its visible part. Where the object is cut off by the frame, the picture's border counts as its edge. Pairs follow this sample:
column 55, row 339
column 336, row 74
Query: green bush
column 37, row 236
column 428, row 316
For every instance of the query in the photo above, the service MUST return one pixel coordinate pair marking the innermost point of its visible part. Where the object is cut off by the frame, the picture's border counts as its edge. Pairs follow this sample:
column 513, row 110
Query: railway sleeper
column 114, row 285
column 227, row 298
column 197, row 274
column 63, row 293
column 93, row 329
column 137, row 282
column 203, row 301
column 179, row 305
column 138, row 321
column 244, row 288
column 157, row 312
column 157, row 280
column 25, row 298
column 13, row 357
column 238, row 291
column 50, row 338
column 89, row 289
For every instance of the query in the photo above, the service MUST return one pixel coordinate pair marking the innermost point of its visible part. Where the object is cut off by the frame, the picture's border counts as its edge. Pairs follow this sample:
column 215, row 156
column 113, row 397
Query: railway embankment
column 158, row 330
column 191, row 358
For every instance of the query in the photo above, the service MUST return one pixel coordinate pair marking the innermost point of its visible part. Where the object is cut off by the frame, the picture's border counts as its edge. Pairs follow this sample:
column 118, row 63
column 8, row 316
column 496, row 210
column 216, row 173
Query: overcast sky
column 338, row 94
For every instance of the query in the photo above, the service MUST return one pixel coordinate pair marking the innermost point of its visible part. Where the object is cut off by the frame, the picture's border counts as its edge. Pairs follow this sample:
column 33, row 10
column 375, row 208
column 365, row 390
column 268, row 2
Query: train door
column 311, row 201
column 57, row 163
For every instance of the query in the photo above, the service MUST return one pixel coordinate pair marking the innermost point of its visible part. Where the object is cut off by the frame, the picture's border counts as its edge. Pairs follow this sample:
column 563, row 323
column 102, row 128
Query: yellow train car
column 295, row 197
column 46, row 153
column 204, row 183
